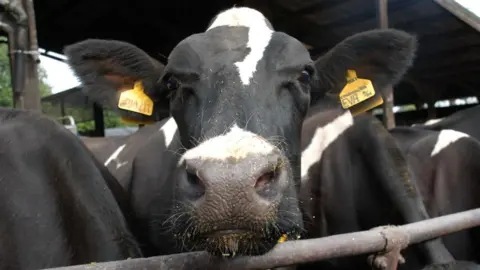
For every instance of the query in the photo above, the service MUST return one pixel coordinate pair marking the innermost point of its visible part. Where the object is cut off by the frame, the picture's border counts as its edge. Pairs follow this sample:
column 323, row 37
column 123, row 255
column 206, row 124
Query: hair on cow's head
column 238, row 93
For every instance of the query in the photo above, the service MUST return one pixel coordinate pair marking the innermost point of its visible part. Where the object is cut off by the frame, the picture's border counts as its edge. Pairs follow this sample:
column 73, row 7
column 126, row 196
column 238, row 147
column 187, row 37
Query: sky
column 61, row 77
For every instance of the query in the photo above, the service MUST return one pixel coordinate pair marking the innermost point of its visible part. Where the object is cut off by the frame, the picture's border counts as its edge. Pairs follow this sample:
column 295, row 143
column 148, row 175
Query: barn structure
column 446, row 67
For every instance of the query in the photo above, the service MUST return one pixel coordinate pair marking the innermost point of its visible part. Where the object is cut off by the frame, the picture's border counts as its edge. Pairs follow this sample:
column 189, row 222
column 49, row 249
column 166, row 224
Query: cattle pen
column 439, row 69
column 386, row 242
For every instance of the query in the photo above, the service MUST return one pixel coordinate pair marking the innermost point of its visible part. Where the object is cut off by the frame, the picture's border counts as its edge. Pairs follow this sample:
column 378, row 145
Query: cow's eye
column 173, row 83
column 305, row 76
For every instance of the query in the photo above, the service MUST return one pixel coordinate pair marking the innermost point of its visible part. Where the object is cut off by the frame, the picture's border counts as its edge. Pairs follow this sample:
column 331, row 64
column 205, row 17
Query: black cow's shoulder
column 56, row 203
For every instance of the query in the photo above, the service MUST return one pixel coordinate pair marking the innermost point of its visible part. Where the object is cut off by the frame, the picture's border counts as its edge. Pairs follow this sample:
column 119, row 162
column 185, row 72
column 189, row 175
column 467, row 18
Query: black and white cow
column 464, row 121
column 457, row 265
column 446, row 164
column 103, row 147
column 227, row 176
column 58, row 205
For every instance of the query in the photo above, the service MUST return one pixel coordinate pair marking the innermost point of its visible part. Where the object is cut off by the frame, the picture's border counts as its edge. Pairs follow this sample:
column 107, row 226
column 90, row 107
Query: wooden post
column 388, row 102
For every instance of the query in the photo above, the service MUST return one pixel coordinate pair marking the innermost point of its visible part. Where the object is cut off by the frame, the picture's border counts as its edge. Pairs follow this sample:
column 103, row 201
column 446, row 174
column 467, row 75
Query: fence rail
column 302, row 251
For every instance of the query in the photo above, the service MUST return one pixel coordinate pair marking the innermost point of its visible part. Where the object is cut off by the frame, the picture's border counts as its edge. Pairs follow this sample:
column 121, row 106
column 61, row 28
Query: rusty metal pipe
column 6, row 27
column 301, row 251
column 32, row 29
column 14, row 7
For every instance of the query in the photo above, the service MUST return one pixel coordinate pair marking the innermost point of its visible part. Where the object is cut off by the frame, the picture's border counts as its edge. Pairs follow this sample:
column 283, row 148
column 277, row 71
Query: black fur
column 205, row 95
column 58, row 205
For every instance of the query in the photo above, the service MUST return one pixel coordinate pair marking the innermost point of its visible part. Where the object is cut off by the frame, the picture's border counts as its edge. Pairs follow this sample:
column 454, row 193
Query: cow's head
column 238, row 93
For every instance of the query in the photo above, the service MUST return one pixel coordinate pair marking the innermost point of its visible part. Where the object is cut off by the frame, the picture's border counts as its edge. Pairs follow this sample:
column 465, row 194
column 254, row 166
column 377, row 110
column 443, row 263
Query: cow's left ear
column 120, row 76
column 380, row 56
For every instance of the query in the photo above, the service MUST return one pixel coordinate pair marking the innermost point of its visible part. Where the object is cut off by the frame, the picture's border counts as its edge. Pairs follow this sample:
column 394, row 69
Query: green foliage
column 6, row 95
column 111, row 120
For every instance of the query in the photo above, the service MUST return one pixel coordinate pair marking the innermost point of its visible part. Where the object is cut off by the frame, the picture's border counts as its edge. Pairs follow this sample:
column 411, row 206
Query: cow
column 446, row 165
column 232, row 100
column 464, row 121
column 457, row 265
column 59, row 205
column 102, row 147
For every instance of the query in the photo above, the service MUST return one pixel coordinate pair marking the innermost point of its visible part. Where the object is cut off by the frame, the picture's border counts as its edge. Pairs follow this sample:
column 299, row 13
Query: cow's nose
column 259, row 174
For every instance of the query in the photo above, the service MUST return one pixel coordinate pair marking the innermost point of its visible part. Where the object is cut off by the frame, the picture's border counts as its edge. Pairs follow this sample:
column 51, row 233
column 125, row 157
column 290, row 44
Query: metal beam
column 388, row 102
column 380, row 239
column 461, row 12
column 32, row 83
column 52, row 56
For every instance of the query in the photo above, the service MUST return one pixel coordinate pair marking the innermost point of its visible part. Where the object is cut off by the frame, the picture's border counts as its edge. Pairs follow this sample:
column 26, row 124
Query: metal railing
column 390, row 240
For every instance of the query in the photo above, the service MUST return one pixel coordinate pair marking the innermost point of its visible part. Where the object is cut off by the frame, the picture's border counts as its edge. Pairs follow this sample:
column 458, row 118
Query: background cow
column 465, row 121
column 103, row 147
column 446, row 164
column 227, row 180
column 457, row 265
column 59, row 205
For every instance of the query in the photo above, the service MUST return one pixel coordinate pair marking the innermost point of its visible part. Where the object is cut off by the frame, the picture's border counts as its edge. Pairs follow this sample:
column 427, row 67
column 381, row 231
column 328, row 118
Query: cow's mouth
column 231, row 243
column 228, row 233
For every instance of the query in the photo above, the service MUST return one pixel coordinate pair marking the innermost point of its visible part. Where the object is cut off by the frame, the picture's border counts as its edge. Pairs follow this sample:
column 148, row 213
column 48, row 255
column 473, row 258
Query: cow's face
column 238, row 93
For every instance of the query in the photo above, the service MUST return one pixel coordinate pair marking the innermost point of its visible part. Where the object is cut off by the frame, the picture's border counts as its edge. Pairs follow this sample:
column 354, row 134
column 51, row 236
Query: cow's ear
column 379, row 56
column 108, row 69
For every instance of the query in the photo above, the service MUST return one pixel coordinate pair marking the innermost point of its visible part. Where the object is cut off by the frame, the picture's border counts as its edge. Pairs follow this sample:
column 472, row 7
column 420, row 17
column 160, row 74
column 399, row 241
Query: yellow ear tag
column 282, row 239
column 359, row 95
column 136, row 100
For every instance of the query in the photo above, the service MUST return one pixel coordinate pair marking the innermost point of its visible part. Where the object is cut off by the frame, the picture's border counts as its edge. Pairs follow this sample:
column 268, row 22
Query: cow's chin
column 231, row 243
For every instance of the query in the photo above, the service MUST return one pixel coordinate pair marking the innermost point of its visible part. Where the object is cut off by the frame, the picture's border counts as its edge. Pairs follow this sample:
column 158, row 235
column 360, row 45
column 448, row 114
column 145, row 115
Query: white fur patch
column 433, row 121
column 323, row 137
column 259, row 35
column 445, row 138
column 114, row 157
column 236, row 143
column 169, row 128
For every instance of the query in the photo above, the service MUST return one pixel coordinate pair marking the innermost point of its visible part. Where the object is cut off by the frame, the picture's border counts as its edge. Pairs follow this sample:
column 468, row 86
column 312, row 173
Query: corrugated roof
column 448, row 58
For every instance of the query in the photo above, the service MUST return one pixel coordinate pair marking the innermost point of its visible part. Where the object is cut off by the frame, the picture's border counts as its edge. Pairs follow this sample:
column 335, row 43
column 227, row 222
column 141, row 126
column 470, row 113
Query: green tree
column 6, row 95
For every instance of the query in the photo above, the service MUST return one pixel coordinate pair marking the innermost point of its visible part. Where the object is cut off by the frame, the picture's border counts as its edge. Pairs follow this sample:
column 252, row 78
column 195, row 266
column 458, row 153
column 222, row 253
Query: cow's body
column 465, row 121
column 103, row 147
column 457, row 265
column 350, row 166
column 59, row 206
column 447, row 167
column 227, row 180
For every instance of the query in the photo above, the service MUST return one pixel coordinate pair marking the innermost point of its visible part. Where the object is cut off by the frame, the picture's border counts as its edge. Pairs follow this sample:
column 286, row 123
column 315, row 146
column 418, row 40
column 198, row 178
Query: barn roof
column 448, row 57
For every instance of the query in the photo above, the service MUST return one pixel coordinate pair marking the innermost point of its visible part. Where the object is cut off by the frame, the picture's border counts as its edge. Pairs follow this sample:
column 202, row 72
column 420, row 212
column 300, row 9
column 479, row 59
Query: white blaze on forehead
column 259, row 35
column 322, row 138
column 445, row 138
column 169, row 128
column 237, row 143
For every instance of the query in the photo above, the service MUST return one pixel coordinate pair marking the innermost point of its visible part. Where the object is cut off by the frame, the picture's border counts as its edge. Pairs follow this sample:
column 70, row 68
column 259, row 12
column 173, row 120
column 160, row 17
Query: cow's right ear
column 109, row 68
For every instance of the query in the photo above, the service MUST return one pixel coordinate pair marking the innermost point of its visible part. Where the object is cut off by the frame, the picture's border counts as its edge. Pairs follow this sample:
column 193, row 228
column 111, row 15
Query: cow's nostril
column 194, row 179
column 265, row 179
column 196, row 184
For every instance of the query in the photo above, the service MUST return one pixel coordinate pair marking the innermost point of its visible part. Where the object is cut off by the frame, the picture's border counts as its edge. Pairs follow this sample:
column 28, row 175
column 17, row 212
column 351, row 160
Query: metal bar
column 388, row 102
column 31, row 93
column 461, row 12
column 53, row 57
column 303, row 251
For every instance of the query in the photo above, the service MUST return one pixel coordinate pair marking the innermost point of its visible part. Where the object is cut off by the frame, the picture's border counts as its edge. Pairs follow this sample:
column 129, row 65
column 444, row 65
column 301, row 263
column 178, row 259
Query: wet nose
column 260, row 174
